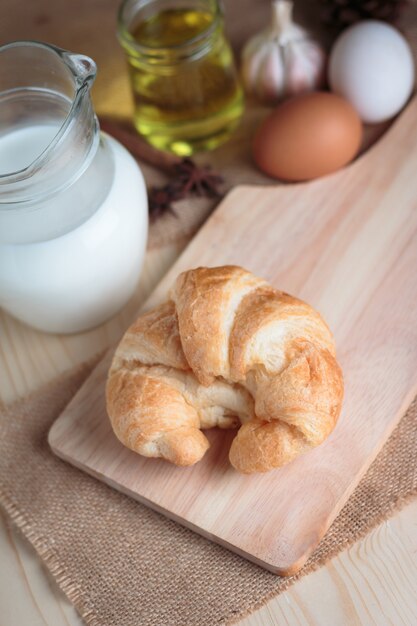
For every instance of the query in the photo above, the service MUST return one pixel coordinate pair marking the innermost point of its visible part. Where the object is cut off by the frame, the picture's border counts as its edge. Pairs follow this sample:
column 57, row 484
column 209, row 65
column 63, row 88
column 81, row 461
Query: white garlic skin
column 282, row 60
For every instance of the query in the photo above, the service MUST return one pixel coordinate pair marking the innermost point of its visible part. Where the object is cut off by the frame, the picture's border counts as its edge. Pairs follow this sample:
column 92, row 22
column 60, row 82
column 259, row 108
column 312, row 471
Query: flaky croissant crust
column 226, row 349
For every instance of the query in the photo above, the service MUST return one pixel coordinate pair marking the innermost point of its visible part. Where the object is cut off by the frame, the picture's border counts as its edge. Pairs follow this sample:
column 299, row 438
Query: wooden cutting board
column 348, row 245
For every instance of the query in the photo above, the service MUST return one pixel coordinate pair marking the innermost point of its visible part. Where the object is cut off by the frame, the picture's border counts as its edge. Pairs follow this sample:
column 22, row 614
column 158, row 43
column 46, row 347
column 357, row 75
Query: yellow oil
column 186, row 91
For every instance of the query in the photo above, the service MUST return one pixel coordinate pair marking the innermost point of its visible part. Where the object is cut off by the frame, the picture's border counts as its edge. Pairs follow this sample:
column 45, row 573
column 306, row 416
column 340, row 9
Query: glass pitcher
column 73, row 205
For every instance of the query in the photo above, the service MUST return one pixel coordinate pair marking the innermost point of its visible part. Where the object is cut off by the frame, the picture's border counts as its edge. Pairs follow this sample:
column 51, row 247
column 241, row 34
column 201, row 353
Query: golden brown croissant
column 227, row 348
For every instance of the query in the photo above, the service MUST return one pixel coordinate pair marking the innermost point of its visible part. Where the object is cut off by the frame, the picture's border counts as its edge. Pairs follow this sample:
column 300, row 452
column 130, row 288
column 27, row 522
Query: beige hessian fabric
column 121, row 564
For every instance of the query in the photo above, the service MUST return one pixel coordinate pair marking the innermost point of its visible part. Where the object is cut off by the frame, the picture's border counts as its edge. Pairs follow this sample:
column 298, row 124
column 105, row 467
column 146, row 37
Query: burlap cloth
column 122, row 564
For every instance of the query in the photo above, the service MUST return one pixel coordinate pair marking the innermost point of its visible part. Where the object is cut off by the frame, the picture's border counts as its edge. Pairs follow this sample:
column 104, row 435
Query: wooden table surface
column 372, row 583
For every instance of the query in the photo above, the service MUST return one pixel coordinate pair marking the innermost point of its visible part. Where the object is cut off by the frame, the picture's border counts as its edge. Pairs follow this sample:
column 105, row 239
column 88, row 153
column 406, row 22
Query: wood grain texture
column 372, row 583
column 348, row 245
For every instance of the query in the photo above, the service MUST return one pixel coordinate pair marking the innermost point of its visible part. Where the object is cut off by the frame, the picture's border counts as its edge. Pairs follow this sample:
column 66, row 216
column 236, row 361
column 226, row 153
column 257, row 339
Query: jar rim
column 196, row 43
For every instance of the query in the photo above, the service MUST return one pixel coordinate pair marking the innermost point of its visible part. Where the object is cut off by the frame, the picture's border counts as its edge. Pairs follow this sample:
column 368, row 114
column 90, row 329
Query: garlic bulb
column 282, row 60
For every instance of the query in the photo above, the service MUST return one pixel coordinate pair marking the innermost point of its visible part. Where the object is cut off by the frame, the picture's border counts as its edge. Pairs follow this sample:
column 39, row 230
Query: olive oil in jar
column 186, row 91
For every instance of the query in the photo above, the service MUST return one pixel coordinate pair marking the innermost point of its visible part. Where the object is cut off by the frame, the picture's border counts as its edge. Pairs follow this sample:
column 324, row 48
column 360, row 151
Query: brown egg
column 308, row 136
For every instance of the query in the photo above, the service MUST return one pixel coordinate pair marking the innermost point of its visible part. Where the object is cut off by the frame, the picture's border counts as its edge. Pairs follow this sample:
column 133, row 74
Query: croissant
column 226, row 350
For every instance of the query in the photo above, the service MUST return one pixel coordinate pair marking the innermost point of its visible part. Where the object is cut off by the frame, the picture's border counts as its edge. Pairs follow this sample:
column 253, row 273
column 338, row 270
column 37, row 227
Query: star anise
column 190, row 180
column 161, row 199
column 197, row 180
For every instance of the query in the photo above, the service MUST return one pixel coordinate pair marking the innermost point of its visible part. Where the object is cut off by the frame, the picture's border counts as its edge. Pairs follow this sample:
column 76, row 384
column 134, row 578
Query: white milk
column 61, row 277
column 21, row 147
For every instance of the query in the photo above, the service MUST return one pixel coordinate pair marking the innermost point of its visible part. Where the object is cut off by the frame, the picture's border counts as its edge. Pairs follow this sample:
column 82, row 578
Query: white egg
column 371, row 65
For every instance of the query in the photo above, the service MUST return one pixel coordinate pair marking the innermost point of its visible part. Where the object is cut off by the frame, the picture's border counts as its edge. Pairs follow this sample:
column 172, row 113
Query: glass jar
column 73, row 205
column 187, row 94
